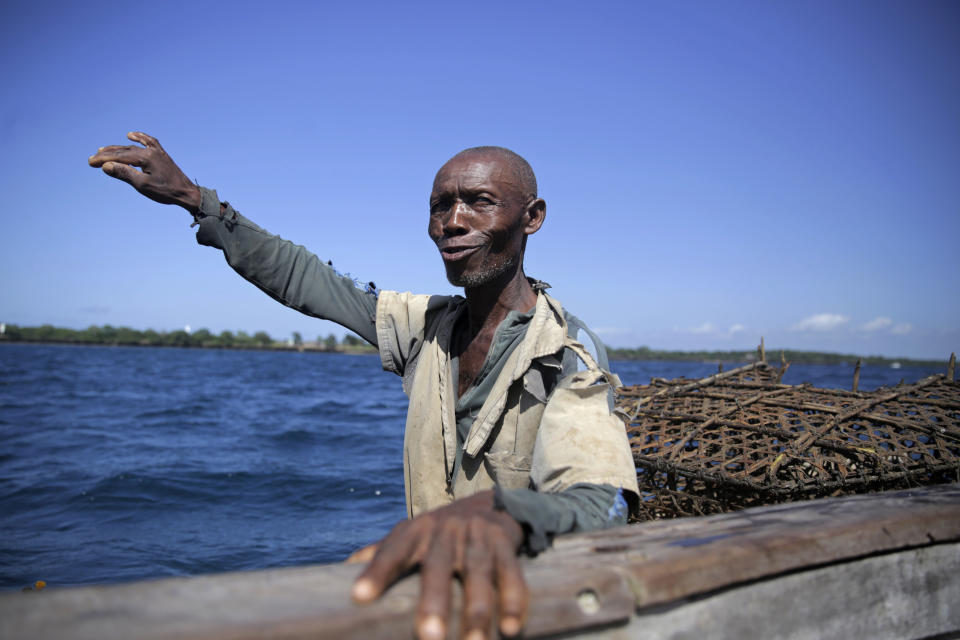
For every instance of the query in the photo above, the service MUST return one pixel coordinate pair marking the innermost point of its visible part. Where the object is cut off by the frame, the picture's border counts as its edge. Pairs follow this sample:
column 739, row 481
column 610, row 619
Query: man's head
column 483, row 206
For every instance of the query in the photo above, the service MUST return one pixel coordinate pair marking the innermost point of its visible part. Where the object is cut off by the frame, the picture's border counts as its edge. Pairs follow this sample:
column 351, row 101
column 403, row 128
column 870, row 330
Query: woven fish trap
column 741, row 439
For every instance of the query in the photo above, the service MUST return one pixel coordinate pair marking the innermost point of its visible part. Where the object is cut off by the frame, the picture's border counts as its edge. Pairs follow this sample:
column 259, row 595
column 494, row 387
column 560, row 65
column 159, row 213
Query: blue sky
column 713, row 172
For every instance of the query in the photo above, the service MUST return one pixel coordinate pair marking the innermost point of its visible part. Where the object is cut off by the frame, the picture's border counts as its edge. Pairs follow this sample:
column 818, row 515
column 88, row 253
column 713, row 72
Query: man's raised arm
column 286, row 272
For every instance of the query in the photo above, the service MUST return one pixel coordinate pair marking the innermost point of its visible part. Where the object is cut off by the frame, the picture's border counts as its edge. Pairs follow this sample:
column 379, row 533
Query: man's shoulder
column 404, row 320
column 414, row 304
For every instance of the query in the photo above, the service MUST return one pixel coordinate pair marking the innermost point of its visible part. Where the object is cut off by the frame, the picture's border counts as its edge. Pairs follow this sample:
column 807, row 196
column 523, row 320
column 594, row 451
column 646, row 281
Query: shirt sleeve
column 285, row 271
column 579, row 440
column 543, row 516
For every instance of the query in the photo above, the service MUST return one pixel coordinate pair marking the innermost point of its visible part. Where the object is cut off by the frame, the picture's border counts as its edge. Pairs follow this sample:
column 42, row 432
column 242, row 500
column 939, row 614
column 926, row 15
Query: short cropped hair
column 520, row 167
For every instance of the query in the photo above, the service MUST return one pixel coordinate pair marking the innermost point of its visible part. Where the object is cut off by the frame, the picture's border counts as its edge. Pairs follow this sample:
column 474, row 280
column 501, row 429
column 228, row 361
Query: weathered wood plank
column 585, row 581
column 672, row 559
column 907, row 594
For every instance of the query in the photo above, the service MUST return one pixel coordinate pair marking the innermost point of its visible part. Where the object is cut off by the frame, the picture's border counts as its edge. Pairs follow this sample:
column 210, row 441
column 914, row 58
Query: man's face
column 477, row 218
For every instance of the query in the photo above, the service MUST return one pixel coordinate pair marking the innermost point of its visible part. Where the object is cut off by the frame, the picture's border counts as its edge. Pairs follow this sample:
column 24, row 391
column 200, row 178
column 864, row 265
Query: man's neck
column 489, row 304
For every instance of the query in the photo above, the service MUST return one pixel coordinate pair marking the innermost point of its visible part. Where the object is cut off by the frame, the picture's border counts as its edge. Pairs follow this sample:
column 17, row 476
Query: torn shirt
column 297, row 278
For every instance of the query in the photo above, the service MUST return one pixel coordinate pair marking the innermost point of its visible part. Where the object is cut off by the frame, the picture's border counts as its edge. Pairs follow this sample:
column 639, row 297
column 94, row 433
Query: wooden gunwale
column 590, row 584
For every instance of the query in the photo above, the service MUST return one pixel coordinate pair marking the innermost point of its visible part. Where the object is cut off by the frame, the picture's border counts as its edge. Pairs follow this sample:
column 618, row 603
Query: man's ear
column 534, row 215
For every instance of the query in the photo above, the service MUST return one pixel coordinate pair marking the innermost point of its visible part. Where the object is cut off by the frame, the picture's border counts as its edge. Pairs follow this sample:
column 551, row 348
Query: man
column 509, row 437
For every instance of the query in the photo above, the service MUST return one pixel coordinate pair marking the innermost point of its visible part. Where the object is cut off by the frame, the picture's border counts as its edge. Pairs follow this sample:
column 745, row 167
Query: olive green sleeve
column 582, row 507
column 285, row 271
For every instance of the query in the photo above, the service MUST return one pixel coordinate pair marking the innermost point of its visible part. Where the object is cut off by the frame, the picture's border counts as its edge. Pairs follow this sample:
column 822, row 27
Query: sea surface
column 125, row 463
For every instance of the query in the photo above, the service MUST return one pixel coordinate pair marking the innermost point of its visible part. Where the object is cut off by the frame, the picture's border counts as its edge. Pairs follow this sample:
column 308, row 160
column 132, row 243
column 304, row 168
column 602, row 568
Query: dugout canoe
column 883, row 565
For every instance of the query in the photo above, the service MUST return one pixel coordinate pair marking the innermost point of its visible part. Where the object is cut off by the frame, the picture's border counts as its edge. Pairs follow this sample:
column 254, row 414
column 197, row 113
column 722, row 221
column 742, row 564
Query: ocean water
column 126, row 463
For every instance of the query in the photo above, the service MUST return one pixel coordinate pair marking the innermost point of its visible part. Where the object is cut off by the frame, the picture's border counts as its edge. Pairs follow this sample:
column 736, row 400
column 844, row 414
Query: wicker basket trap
column 741, row 438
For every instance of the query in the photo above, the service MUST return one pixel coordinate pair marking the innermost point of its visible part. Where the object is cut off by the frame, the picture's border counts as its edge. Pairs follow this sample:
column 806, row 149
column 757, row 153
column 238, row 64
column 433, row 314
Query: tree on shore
column 179, row 338
column 109, row 335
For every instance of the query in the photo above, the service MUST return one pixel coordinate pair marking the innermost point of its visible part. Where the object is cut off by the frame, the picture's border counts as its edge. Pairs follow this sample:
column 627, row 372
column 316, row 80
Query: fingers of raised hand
column 134, row 156
column 395, row 554
column 124, row 172
column 144, row 139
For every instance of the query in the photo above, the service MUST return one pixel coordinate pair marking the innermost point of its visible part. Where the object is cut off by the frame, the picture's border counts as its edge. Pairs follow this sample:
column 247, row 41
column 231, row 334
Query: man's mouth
column 456, row 253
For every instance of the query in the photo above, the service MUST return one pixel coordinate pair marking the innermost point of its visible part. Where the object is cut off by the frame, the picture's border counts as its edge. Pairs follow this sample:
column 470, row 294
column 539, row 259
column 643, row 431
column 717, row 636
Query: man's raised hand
column 159, row 177
column 468, row 538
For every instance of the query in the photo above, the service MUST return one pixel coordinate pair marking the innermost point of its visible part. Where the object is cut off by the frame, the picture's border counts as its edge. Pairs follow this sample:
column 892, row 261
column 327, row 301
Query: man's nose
column 455, row 223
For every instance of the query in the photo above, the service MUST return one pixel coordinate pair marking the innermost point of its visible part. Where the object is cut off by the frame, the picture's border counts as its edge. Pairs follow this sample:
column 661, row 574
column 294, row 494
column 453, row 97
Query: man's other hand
column 159, row 177
column 468, row 538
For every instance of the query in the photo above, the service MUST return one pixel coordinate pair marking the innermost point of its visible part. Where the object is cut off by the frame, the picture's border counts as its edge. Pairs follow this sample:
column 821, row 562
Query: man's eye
column 483, row 200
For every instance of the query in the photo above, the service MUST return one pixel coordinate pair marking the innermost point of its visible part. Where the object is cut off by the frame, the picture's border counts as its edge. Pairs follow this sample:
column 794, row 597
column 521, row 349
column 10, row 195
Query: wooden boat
column 883, row 565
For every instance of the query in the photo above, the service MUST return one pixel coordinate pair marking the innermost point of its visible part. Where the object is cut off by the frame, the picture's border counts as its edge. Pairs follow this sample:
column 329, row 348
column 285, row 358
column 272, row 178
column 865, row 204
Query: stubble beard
column 484, row 275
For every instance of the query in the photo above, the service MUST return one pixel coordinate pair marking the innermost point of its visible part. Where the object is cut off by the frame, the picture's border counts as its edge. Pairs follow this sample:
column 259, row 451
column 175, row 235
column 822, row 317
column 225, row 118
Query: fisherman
column 510, row 437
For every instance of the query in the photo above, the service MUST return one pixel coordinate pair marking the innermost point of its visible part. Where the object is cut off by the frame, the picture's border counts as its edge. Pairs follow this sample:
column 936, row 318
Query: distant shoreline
column 108, row 335
column 305, row 348
column 773, row 356
column 642, row 354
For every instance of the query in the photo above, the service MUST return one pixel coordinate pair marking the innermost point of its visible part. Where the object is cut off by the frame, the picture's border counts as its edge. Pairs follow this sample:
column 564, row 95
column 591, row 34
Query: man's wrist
column 516, row 528
column 192, row 200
